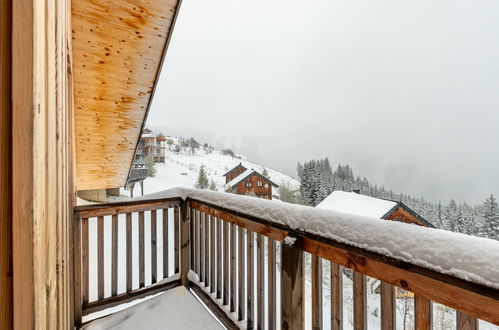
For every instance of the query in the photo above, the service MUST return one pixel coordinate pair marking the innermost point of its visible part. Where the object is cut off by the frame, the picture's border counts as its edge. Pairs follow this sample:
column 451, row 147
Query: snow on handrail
column 469, row 258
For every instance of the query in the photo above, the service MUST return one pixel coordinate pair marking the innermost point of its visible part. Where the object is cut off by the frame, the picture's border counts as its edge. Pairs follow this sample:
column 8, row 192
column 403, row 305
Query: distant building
column 242, row 181
column 151, row 145
column 354, row 203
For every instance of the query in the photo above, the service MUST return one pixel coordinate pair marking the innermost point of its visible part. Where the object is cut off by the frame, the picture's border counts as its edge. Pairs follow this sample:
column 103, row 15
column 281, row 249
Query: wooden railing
column 114, row 233
column 246, row 267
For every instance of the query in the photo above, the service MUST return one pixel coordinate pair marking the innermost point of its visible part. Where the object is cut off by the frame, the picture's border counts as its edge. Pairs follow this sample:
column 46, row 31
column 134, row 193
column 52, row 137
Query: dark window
column 260, row 183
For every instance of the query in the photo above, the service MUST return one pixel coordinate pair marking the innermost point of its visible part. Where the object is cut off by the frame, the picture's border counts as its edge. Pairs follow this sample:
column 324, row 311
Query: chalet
column 151, row 145
column 249, row 182
column 236, row 171
column 355, row 203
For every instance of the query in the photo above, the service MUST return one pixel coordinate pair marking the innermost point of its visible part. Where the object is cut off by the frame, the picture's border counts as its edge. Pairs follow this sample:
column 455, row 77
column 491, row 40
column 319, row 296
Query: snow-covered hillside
column 181, row 169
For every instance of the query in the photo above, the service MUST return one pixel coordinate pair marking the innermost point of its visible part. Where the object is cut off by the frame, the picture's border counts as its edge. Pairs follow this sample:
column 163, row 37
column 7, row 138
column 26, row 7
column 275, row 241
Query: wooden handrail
column 472, row 300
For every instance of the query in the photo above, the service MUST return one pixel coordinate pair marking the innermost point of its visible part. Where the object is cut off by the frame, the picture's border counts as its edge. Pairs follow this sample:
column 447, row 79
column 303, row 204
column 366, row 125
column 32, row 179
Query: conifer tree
column 202, row 181
column 491, row 218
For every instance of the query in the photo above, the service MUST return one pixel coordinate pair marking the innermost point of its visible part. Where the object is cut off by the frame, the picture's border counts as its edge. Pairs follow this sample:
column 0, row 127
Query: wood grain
column 129, row 252
column 260, row 289
column 272, row 284
column 100, row 258
column 292, row 288
column 465, row 322
column 240, row 274
column 250, row 280
column 422, row 313
column 388, row 320
column 232, row 304
column 359, row 301
column 166, row 245
column 316, row 293
column 114, row 256
column 154, row 247
column 119, row 48
column 142, row 252
column 336, row 297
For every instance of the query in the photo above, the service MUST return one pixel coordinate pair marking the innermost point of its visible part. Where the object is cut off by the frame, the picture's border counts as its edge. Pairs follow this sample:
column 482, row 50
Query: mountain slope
column 182, row 164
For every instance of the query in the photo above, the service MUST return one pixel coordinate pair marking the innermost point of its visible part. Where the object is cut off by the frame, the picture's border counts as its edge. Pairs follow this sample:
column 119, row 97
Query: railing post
column 292, row 316
column 465, row 322
column 77, row 269
column 184, row 243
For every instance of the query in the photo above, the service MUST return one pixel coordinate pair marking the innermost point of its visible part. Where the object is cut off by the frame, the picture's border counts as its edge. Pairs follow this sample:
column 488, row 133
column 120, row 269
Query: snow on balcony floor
column 175, row 309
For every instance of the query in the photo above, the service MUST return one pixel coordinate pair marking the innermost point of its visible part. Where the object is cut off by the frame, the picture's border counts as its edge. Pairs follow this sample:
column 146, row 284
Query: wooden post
column 388, row 320
column 77, row 270
column 423, row 312
column 316, row 292
column 185, row 244
column 292, row 315
column 359, row 301
column 336, row 297
column 465, row 322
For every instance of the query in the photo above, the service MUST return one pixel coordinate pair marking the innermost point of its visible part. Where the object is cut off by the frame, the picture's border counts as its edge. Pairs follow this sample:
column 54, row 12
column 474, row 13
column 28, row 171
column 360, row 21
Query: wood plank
column 84, row 260
column 359, row 301
column 212, row 254
column 197, row 243
column 214, row 308
column 388, row 307
column 292, row 288
column 176, row 237
column 272, row 284
column 226, row 276
column 240, row 274
column 250, row 308
column 126, row 297
column 219, row 258
column 6, row 284
column 142, row 252
column 192, row 237
column 154, row 247
column 100, row 257
column 435, row 286
column 88, row 211
column 232, row 229
column 166, row 244
column 465, row 322
column 128, row 252
column 254, row 226
column 185, row 243
column 77, row 273
column 336, row 297
column 260, row 293
column 422, row 313
column 316, row 292
column 107, row 37
column 206, row 250
column 114, row 256
column 202, row 255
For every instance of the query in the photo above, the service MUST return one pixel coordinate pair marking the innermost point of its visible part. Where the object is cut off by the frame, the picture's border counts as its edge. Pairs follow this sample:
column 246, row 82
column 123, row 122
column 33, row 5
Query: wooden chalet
column 249, row 182
column 355, row 203
column 77, row 80
column 236, row 171
column 151, row 145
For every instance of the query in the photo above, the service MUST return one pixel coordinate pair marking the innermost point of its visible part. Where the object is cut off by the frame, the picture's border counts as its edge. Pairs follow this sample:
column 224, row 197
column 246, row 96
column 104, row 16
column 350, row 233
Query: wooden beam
column 6, row 294
column 42, row 164
column 359, row 301
column 256, row 227
column 292, row 314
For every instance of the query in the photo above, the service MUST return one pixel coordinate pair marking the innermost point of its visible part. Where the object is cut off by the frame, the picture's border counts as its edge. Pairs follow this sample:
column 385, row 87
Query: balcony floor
column 175, row 309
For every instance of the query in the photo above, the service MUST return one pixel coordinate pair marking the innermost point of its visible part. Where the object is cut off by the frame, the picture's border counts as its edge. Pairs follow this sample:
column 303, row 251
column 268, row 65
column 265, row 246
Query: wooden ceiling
column 118, row 48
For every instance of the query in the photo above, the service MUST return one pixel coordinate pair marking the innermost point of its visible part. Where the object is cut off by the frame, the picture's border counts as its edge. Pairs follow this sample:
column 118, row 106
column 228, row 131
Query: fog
column 406, row 92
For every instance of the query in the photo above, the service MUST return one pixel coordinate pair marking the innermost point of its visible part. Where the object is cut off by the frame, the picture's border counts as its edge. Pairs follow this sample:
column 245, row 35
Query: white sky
column 407, row 92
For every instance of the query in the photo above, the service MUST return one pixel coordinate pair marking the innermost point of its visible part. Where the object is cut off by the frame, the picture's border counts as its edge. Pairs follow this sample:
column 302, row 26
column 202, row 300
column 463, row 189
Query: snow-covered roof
column 148, row 135
column 466, row 257
column 353, row 203
column 241, row 177
column 238, row 165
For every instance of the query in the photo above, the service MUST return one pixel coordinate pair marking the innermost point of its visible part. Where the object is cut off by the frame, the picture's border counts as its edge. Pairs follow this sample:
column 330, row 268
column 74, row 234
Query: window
column 259, row 183
column 248, row 184
column 266, row 186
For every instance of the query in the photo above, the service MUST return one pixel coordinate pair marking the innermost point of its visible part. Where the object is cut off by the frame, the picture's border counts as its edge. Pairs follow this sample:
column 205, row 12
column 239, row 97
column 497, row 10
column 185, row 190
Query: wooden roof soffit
column 118, row 50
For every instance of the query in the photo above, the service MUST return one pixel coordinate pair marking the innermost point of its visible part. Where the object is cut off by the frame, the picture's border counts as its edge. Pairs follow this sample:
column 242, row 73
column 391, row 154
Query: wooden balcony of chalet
column 77, row 81
column 246, row 264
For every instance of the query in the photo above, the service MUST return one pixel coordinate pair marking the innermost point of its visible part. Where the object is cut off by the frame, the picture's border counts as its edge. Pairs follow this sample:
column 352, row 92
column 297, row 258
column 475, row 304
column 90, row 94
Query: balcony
column 247, row 261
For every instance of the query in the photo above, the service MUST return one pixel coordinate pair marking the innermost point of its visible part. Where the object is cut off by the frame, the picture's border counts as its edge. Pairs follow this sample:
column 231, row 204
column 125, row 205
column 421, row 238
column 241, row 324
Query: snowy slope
column 181, row 170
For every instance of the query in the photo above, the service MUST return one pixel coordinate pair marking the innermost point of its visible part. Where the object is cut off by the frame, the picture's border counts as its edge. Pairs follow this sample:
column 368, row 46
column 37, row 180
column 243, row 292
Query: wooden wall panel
column 42, row 157
column 5, row 167
column 118, row 51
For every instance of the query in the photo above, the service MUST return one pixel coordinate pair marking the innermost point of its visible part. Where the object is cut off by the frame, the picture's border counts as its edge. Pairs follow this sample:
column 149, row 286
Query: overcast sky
column 406, row 92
